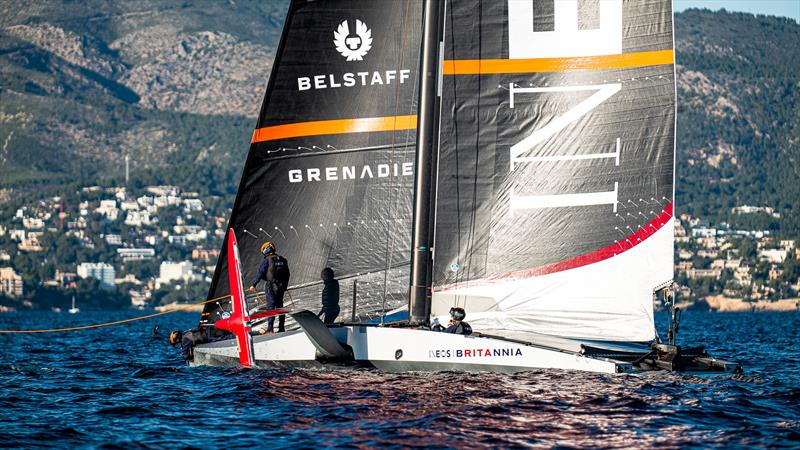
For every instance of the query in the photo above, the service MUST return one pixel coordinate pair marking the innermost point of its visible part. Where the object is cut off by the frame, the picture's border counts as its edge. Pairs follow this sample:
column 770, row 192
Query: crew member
column 457, row 324
column 200, row 335
column 274, row 270
column 330, row 296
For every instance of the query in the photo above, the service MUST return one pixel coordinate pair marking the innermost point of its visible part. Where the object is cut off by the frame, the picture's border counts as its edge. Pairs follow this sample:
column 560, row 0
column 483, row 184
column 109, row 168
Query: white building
column 170, row 271
column 108, row 208
column 17, row 235
column 163, row 190
column 101, row 271
column 129, row 205
column 10, row 282
column 193, row 233
column 773, row 255
column 192, row 204
column 113, row 239
column 139, row 218
column 162, row 201
column 704, row 232
column 134, row 254
column 177, row 240
column 33, row 223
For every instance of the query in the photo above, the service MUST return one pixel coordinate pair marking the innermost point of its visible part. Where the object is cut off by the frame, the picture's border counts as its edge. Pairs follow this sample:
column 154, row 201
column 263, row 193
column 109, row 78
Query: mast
column 426, row 159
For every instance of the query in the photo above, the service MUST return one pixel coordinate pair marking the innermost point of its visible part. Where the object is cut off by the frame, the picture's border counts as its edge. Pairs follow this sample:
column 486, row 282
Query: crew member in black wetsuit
column 200, row 335
column 330, row 296
column 275, row 271
column 457, row 324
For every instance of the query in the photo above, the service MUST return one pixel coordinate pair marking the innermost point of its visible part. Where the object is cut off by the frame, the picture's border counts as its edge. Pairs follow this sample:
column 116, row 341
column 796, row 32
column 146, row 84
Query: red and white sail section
column 555, row 189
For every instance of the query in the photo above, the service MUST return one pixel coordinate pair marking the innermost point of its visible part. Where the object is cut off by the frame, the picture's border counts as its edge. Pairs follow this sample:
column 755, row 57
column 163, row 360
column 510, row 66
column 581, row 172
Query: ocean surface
column 120, row 387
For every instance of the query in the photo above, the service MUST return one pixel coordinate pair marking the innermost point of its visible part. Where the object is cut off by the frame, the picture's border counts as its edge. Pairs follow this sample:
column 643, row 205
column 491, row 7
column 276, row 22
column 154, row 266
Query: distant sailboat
column 73, row 309
column 535, row 146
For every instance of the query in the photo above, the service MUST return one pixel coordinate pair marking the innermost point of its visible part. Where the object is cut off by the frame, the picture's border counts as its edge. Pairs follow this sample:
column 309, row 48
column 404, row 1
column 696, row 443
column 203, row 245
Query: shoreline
column 721, row 303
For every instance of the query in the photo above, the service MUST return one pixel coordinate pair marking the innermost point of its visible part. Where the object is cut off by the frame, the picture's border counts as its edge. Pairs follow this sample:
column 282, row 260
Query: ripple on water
column 119, row 388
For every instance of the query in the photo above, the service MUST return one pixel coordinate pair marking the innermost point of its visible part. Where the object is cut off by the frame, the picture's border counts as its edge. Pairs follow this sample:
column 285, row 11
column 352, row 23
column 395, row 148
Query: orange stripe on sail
column 621, row 61
column 339, row 126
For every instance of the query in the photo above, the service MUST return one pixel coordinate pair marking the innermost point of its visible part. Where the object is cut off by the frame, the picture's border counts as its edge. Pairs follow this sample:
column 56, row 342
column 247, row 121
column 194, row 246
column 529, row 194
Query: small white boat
column 73, row 309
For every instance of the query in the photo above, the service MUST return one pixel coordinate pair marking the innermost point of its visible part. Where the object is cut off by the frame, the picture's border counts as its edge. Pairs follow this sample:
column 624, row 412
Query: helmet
column 457, row 313
column 267, row 248
column 175, row 337
column 327, row 273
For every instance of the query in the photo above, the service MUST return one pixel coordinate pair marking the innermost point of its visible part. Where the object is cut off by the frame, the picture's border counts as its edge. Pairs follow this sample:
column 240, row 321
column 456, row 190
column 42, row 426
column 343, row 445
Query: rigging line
column 455, row 129
column 477, row 147
column 389, row 251
column 117, row 322
column 439, row 104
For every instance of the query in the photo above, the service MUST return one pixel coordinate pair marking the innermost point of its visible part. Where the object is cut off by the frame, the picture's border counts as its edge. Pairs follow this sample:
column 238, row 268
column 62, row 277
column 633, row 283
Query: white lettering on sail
column 565, row 39
column 338, row 174
column 330, row 174
column 383, row 170
column 603, row 93
column 564, row 200
column 350, row 79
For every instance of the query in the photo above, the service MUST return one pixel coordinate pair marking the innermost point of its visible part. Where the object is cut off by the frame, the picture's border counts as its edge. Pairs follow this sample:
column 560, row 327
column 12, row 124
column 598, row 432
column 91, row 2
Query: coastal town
column 155, row 245
column 141, row 247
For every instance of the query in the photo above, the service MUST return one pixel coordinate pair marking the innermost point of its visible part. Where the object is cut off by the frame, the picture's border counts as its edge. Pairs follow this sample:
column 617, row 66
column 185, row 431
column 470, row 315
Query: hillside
column 169, row 84
column 176, row 87
column 739, row 119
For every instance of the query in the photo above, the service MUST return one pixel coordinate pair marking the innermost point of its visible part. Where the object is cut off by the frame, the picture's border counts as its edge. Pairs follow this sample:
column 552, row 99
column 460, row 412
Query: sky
column 785, row 8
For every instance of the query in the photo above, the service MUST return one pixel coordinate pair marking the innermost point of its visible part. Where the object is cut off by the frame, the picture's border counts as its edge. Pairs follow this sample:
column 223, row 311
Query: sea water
column 122, row 387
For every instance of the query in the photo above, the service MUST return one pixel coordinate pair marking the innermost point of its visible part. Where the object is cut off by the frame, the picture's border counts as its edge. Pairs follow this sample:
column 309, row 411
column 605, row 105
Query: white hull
column 407, row 349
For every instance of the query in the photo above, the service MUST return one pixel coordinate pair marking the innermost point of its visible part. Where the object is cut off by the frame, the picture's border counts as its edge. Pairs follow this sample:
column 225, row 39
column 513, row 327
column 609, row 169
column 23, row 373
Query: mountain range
column 176, row 86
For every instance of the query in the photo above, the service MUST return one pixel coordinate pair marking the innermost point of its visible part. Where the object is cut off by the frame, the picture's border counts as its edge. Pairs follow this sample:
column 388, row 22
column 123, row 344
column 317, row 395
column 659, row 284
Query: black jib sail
column 555, row 182
column 329, row 174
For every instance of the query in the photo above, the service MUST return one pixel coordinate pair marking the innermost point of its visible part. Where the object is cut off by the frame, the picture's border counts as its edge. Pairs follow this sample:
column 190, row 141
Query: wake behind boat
column 542, row 148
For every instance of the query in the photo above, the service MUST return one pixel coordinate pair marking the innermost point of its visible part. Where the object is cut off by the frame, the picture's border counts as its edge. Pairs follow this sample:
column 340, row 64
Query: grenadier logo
column 354, row 48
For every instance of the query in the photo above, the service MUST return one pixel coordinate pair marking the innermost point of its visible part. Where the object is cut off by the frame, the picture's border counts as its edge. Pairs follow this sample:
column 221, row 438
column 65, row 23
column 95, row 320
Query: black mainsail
column 329, row 173
column 556, row 161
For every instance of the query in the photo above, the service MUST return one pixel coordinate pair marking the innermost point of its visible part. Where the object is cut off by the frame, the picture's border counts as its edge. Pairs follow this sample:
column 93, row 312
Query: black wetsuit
column 330, row 300
column 275, row 271
column 459, row 328
column 200, row 335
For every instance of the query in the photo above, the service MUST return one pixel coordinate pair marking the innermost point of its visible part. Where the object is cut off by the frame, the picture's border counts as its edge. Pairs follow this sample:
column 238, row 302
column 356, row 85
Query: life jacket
column 278, row 270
